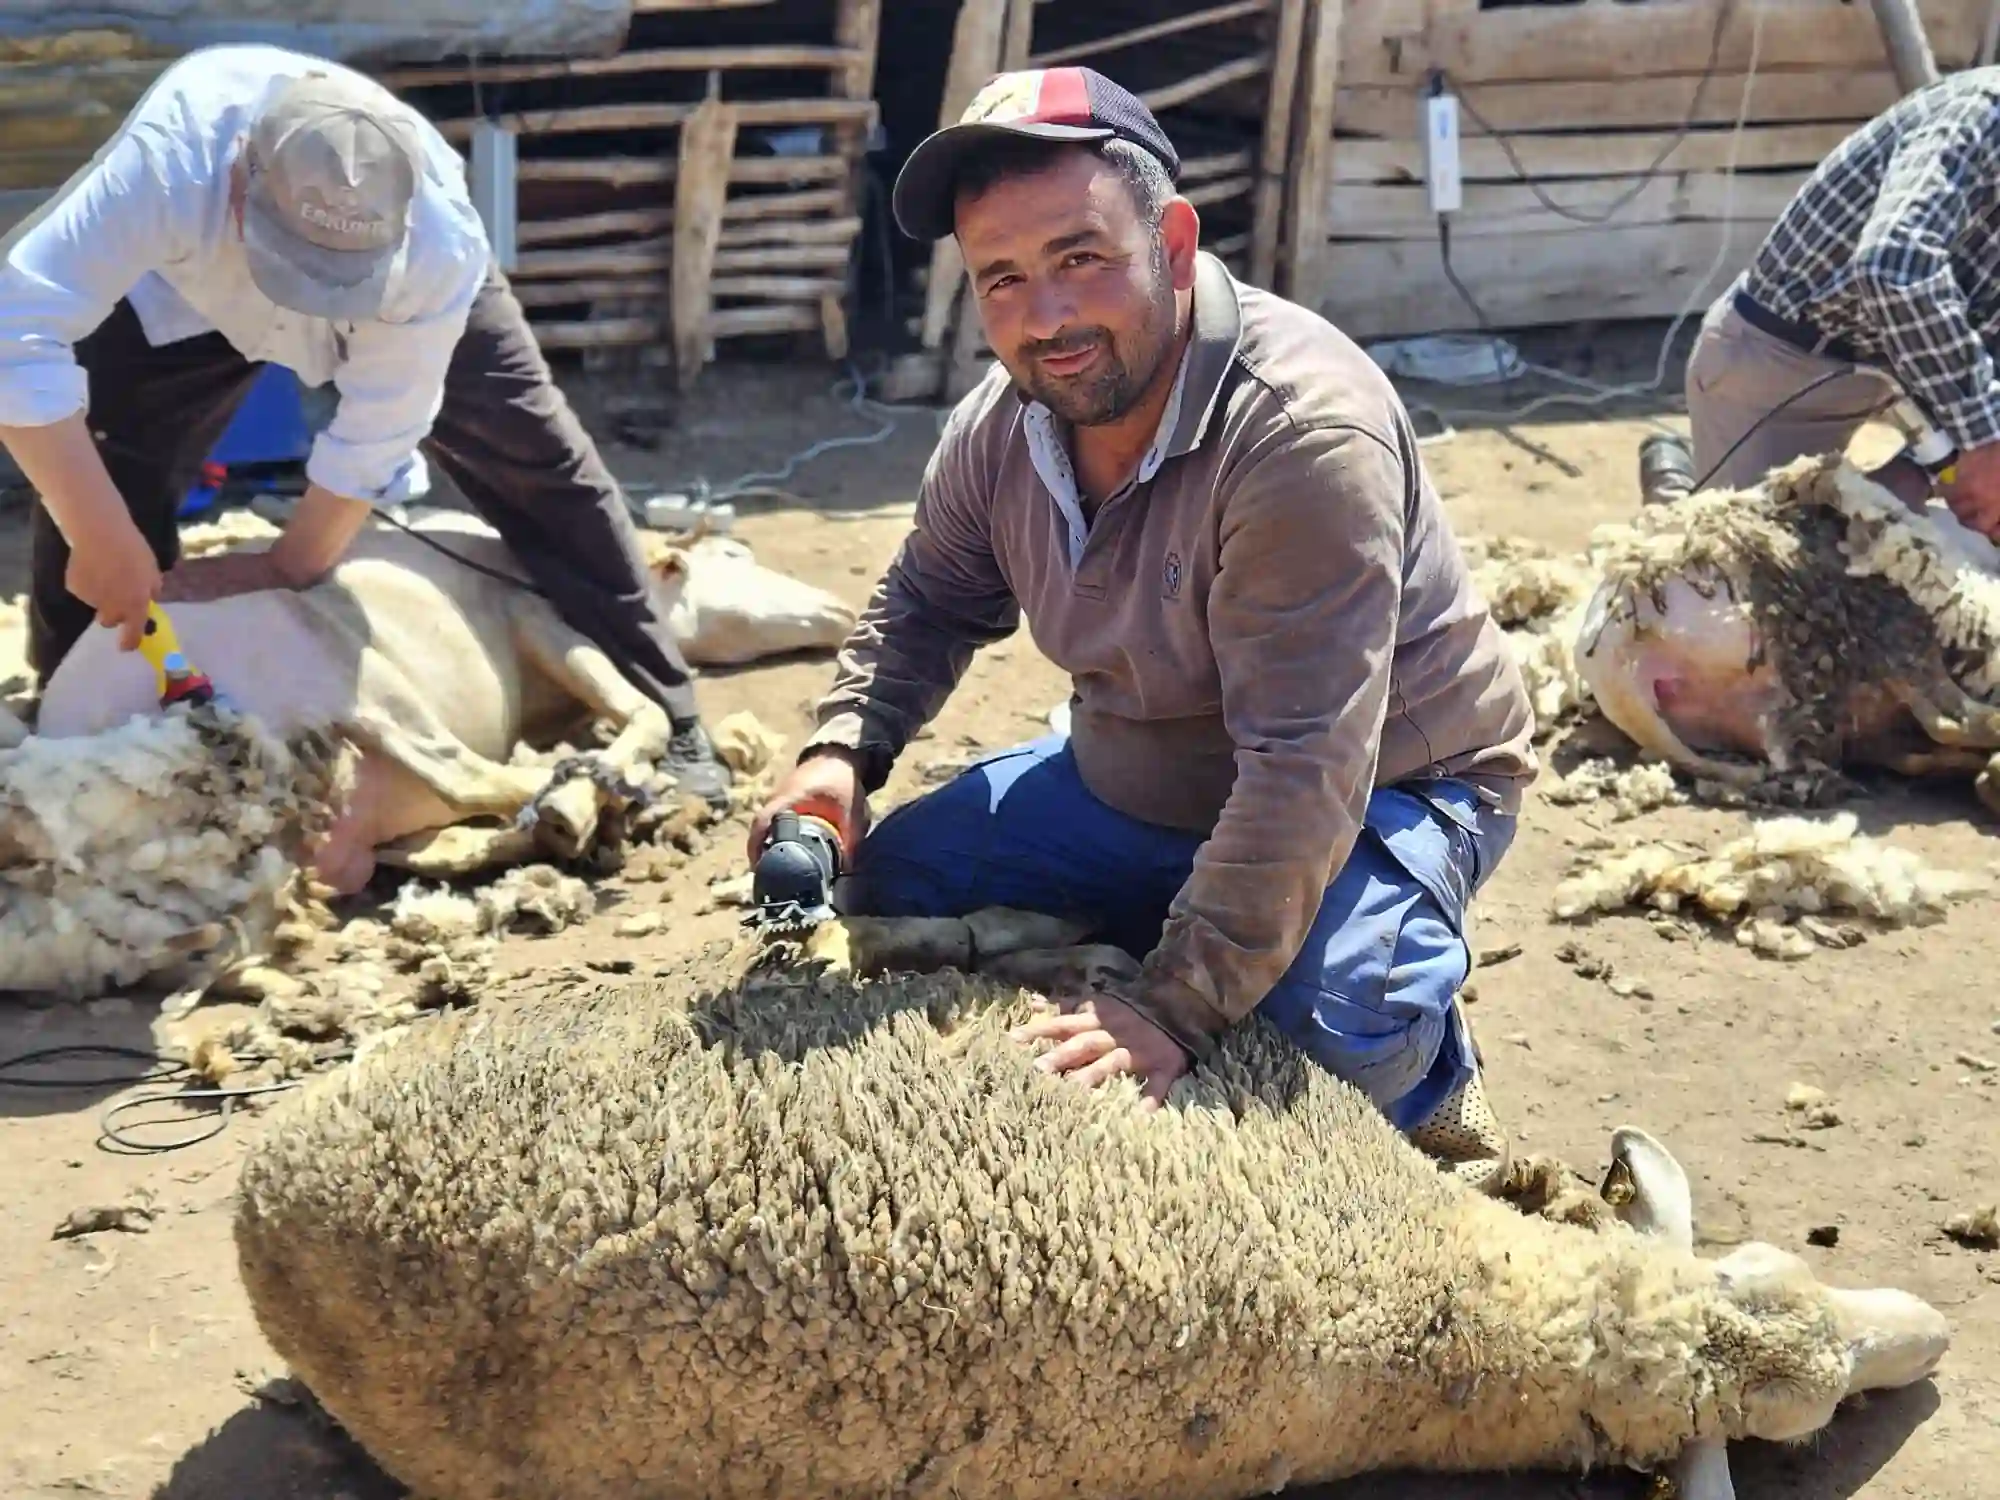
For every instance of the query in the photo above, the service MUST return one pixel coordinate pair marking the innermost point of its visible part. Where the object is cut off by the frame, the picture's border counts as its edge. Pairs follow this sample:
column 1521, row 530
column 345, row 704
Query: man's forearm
column 62, row 462
column 898, row 666
column 318, row 535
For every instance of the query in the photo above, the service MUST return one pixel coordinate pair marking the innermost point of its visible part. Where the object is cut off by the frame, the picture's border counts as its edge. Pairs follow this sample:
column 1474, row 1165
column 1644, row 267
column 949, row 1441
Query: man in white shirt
column 262, row 206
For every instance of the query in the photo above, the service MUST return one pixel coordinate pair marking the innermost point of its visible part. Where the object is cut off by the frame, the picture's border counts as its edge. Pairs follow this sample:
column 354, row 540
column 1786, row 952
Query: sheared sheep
column 162, row 846
column 815, row 1236
column 1809, row 622
column 416, row 649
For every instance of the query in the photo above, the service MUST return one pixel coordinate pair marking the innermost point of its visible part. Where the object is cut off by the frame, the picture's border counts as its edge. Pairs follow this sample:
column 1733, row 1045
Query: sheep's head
column 1791, row 1348
column 1789, row 625
column 725, row 608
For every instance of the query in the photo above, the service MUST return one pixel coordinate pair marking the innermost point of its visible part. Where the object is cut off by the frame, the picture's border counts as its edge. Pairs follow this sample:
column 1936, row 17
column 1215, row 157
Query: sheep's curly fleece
column 157, row 847
column 814, row 1237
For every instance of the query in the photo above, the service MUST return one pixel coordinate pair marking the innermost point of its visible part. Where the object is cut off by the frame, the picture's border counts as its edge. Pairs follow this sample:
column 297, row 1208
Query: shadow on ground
column 281, row 1448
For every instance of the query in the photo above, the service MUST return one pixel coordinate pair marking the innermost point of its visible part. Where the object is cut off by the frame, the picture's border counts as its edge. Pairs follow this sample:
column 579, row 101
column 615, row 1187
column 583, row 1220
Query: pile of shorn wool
column 154, row 849
column 815, row 1236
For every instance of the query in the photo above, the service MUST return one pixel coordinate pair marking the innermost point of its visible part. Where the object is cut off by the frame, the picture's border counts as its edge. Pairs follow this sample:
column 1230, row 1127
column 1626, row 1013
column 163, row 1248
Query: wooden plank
column 571, row 293
column 1391, row 40
column 1214, row 15
column 1545, row 156
column 631, row 171
column 781, row 205
column 648, row 7
column 533, row 122
column 598, row 333
column 798, row 232
column 1371, row 211
column 1613, row 104
column 1313, row 155
column 776, row 288
column 1268, row 211
column 1219, row 190
column 785, row 258
column 740, row 322
column 1221, row 76
column 706, row 146
column 638, row 60
column 1390, row 288
column 640, row 221
column 635, row 259
column 1220, row 164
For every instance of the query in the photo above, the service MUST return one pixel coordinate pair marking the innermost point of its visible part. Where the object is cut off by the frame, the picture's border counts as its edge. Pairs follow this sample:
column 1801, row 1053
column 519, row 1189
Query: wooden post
column 858, row 29
column 1267, row 222
column 1989, row 44
column 977, row 42
column 1017, row 43
column 707, row 145
column 1909, row 49
column 1309, row 191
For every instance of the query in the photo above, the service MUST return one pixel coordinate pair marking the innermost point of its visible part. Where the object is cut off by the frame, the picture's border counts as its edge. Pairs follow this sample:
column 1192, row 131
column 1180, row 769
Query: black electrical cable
column 160, row 1071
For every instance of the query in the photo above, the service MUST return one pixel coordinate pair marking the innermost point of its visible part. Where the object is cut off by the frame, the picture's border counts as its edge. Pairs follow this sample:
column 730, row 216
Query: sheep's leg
column 580, row 790
column 1987, row 787
column 443, row 853
column 406, row 786
column 1951, row 716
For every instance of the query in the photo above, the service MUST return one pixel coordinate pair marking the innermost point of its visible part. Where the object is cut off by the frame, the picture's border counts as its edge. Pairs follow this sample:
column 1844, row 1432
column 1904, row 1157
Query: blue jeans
column 1370, row 996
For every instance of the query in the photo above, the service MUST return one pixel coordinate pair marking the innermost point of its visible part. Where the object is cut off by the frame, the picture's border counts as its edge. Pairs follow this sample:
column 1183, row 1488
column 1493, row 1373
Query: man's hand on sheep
column 1099, row 1038
column 1974, row 497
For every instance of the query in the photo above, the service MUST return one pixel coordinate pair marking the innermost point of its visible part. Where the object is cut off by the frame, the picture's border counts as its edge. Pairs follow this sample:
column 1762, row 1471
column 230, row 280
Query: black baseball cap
column 1050, row 104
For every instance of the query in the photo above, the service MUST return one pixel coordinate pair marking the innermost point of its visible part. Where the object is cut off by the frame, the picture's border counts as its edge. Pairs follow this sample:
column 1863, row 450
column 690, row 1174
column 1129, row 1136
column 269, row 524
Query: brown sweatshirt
column 1271, row 621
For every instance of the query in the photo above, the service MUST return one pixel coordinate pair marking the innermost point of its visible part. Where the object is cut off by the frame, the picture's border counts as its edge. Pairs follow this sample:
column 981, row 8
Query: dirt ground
column 129, row 1364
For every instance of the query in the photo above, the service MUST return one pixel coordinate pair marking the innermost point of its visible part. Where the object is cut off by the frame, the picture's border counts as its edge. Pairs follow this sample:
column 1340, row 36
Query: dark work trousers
column 506, row 436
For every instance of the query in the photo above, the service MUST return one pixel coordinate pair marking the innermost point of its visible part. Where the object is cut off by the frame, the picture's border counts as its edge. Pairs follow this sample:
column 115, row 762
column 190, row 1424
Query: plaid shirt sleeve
column 1903, row 268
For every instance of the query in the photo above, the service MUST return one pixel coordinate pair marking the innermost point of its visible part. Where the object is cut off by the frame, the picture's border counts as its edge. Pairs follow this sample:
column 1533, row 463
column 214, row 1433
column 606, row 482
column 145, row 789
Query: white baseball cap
column 333, row 164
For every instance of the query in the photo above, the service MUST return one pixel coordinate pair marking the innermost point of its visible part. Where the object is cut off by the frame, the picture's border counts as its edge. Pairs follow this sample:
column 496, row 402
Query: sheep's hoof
column 1987, row 788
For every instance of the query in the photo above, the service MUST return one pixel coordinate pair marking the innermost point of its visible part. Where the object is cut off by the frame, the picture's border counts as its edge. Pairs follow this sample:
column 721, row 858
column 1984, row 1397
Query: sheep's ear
column 1647, row 1189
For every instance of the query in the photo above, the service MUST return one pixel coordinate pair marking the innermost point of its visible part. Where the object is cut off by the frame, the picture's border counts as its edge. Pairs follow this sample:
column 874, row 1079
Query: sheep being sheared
column 1808, row 622
column 817, row 1237
column 165, row 844
column 418, row 651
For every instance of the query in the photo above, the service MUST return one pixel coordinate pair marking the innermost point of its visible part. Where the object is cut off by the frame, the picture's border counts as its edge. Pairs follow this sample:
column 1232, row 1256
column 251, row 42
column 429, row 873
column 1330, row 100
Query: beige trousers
column 1737, row 374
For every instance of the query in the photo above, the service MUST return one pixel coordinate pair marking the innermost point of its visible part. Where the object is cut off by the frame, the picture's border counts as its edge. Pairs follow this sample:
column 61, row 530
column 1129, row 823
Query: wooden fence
column 1604, row 176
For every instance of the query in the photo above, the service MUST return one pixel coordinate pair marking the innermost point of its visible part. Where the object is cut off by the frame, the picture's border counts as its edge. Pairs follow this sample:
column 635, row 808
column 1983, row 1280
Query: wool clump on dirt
column 159, row 849
column 814, row 1235
column 1777, row 883
column 1632, row 791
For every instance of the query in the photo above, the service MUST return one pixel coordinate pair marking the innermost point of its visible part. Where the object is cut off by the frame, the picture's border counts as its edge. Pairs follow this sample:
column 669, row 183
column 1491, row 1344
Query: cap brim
column 304, row 278
column 924, row 194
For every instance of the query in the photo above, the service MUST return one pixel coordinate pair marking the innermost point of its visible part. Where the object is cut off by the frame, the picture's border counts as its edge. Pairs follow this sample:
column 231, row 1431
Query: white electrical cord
column 1597, row 392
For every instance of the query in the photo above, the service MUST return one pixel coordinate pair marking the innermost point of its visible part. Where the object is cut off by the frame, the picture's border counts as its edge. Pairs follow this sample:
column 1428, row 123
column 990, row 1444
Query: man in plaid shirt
column 1888, row 258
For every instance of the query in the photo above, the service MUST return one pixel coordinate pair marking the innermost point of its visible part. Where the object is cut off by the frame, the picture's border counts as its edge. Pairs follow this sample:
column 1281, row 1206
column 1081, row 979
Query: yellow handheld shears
column 174, row 675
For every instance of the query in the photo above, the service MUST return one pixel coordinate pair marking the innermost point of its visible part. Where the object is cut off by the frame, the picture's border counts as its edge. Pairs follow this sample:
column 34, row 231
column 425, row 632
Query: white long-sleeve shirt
column 149, row 220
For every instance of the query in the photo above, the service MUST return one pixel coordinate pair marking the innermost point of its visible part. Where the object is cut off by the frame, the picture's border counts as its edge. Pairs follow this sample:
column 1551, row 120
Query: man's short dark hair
column 1144, row 174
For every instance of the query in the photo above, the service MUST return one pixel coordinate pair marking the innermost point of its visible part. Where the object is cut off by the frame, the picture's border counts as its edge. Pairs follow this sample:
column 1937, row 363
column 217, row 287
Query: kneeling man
column 1299, row 742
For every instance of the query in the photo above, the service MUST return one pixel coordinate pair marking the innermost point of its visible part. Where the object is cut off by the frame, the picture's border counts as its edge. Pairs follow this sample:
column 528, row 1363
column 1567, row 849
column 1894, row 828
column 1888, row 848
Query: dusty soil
column 129, row 1364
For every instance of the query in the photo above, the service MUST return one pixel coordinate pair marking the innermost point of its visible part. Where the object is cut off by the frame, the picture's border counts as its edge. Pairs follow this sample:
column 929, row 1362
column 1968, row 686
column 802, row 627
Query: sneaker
column 693, row 762
column 1464, row 1138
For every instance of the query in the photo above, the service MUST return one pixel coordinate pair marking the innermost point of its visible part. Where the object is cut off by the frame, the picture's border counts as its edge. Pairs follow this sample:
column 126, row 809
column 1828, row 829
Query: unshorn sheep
column 815, row 1236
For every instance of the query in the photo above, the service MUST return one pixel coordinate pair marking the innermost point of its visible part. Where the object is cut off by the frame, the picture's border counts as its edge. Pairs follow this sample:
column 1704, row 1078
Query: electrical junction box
column 1443, row 179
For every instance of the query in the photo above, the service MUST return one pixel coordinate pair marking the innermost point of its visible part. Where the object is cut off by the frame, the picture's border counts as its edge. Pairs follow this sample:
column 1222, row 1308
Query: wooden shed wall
column 1590, row 96
column 702, row 184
